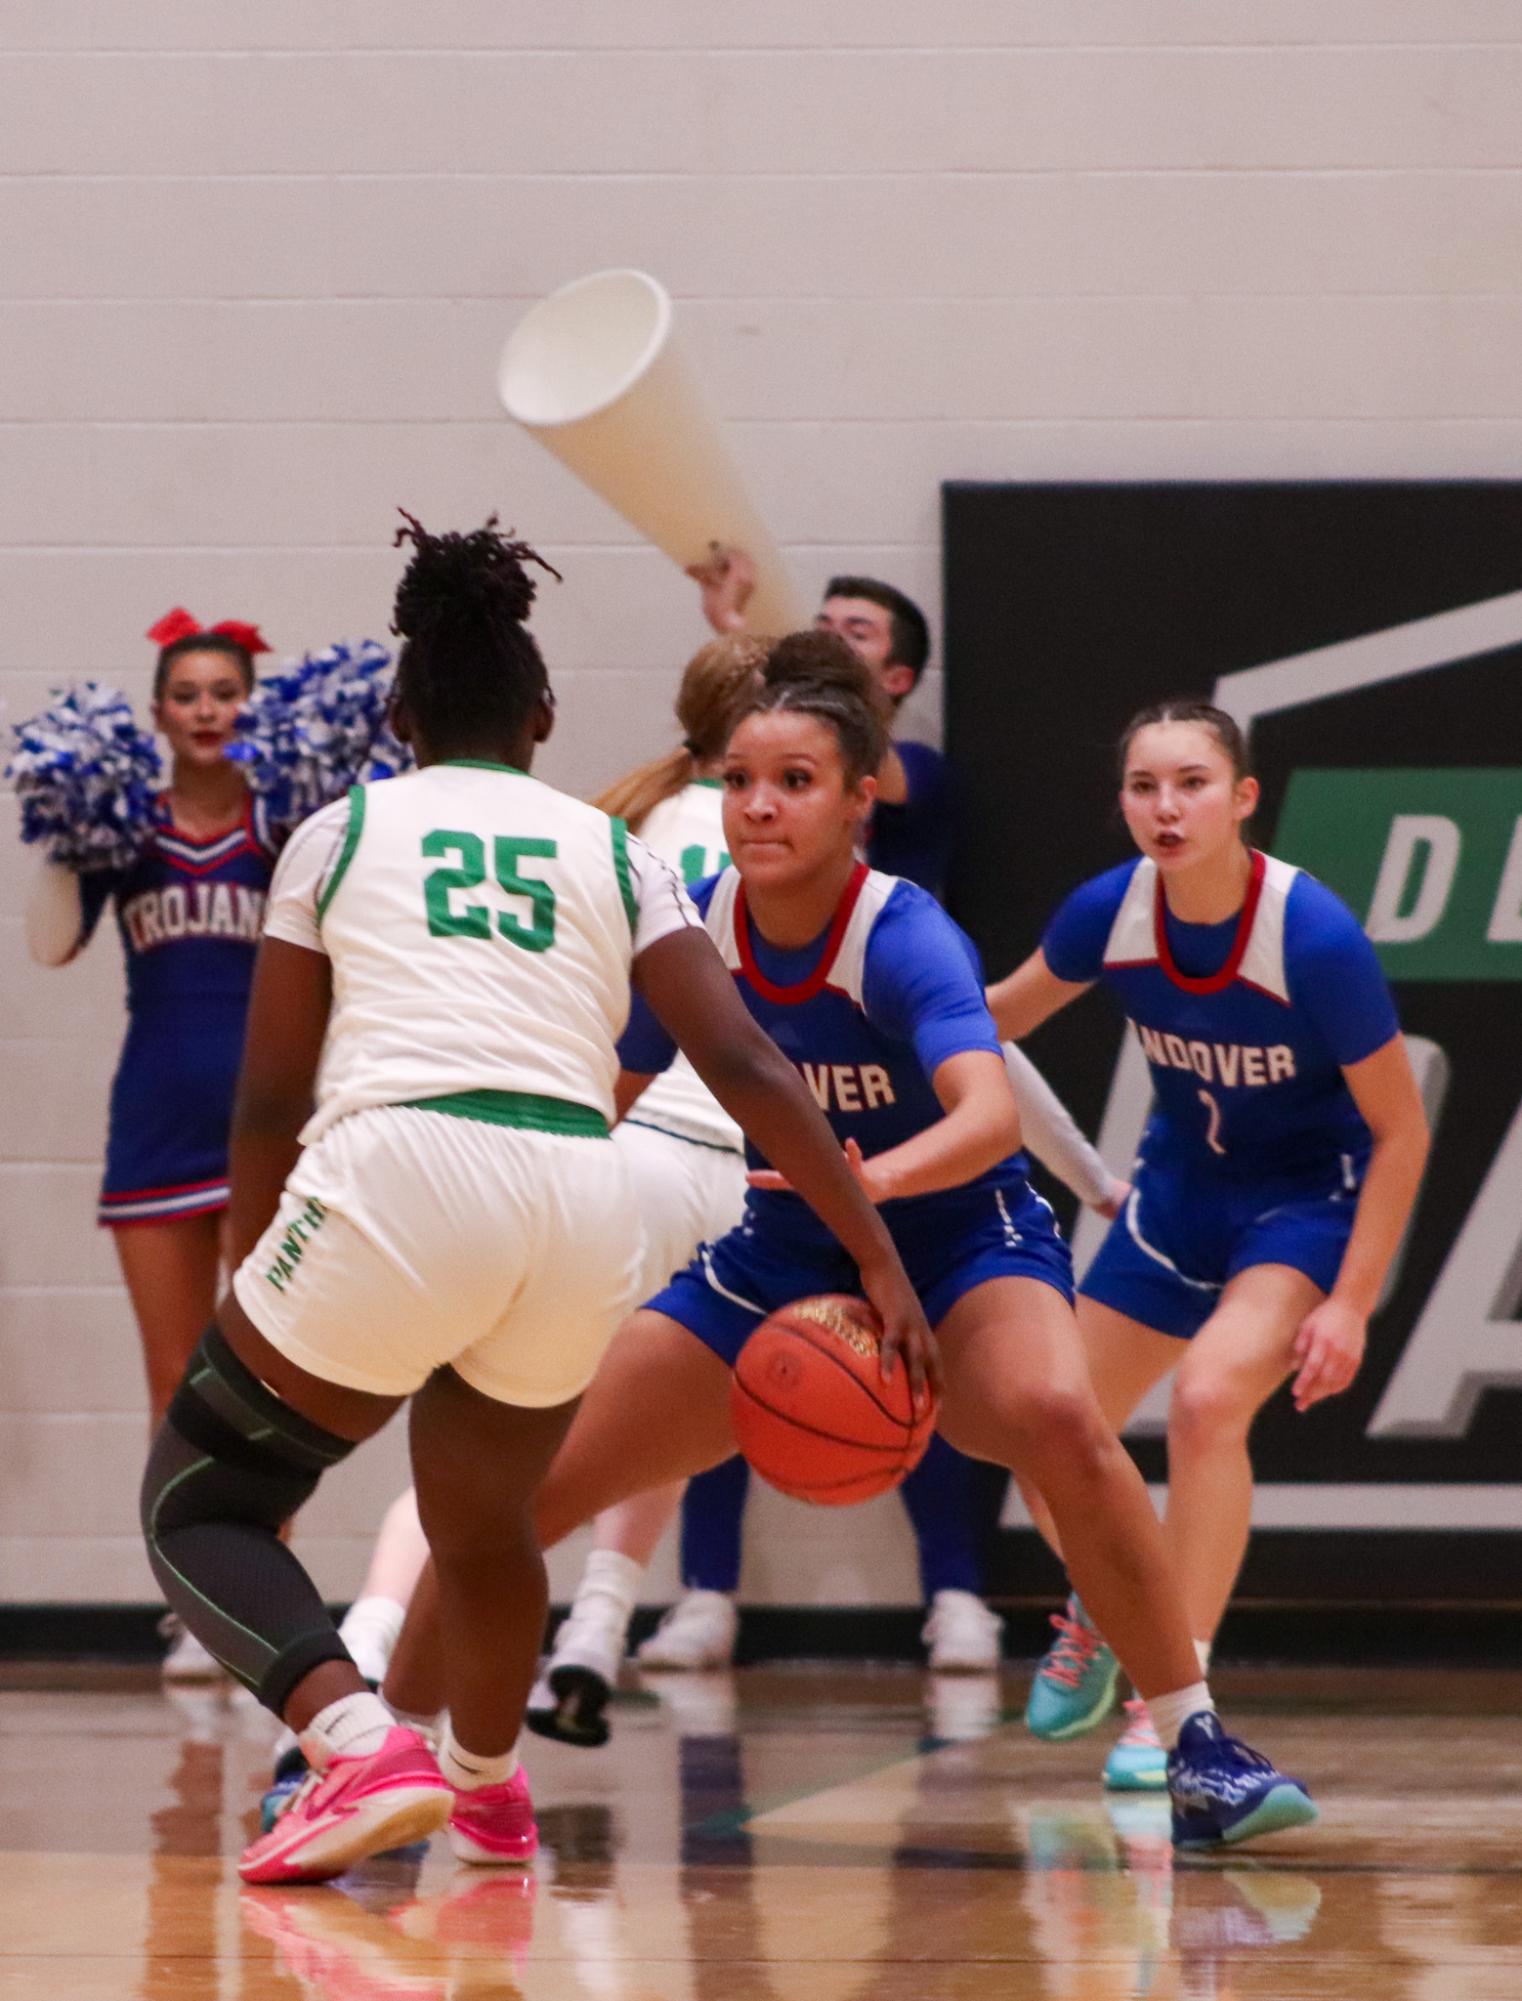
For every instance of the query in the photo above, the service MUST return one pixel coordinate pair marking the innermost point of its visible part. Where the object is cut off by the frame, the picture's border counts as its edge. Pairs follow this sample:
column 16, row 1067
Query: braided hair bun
column 469, row 667
column 818, row 674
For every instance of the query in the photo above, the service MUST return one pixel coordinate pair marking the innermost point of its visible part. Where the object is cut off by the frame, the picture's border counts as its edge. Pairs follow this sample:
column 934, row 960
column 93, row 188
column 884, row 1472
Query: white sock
column 353, row 1727
column 608, row 1573
column 1202, row 1655
column 468, row 1771
column 369, row 1631
column 1169, row 1713
column 429, row 1728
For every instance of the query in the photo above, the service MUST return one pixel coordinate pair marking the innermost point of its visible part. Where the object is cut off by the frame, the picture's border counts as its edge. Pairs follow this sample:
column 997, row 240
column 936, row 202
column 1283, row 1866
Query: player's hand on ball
column 1329, row 1349
column 906, row 1332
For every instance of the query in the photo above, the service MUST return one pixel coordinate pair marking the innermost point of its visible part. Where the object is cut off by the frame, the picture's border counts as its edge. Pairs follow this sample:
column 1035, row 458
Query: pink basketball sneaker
column 495, row 1824
column 357, row 1807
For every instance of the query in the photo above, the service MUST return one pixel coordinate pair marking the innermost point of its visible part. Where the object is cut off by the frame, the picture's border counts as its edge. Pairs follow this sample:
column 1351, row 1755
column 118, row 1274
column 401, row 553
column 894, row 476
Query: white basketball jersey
column 687, row 830
column 481, row 927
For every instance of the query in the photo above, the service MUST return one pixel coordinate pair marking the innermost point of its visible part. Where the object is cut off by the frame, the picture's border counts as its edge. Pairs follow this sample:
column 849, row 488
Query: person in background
column 189, row 910
column 1277, row 1172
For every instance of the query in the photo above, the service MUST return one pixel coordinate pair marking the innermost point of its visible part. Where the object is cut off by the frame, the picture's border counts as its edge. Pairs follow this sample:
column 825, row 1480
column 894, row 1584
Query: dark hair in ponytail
column 818, row 674
column 469, row 666
column 1224, row 728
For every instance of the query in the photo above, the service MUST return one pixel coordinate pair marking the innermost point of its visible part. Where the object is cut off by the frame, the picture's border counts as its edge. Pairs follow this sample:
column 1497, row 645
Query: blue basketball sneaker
column 1074, row 1688
column 1223, row 1792
column 291, row 1768
column 1137, row 1762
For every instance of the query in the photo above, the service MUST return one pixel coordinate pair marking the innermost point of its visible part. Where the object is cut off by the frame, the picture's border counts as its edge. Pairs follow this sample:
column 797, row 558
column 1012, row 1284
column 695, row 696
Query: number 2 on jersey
column 1213, row 1137
column 447, row 919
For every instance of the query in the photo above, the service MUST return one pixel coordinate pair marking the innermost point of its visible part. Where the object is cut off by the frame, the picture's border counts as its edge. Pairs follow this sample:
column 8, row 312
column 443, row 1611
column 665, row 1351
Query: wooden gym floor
column 839, row 1833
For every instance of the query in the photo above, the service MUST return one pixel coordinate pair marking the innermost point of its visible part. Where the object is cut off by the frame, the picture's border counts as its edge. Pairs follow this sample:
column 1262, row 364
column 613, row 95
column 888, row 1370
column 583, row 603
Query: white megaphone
column 596, row 374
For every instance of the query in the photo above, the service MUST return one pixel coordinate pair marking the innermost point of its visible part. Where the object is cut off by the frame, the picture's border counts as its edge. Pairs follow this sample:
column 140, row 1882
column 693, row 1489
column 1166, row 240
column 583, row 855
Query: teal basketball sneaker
column 1074, row 1687
column 1137, row 1762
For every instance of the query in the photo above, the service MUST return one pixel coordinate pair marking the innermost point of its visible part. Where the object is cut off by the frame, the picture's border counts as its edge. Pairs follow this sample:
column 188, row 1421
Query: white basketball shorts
column 685, row 1194
column 407, row 1239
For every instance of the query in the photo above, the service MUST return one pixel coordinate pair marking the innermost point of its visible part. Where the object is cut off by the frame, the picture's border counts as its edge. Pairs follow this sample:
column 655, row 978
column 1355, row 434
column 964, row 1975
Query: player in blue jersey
column 190, row 911
column 1277, row 1171
column 873, row 993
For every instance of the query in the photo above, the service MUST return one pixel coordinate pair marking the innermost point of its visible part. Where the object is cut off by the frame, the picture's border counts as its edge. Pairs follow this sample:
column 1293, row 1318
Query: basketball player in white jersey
column 446, row 966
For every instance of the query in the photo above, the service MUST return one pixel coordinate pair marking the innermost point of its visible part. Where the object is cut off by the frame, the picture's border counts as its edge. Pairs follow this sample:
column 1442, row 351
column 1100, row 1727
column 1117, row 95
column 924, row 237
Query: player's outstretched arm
column 1330, row 1344
column 981, row 1128
column 691, row 994
column 1028, row 996
column 1051, row 1133
column 287, row 1020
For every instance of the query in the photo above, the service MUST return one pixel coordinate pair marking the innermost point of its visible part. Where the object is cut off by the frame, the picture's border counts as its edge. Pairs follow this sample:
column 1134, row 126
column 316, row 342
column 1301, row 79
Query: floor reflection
column 820, row 1835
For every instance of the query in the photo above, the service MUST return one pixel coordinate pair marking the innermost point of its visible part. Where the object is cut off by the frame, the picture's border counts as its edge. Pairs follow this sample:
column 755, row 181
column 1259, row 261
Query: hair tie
column 178, row 624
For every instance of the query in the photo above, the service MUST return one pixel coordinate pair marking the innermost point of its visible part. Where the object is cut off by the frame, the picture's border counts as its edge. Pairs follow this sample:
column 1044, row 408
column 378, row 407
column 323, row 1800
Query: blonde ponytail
column 717, row 682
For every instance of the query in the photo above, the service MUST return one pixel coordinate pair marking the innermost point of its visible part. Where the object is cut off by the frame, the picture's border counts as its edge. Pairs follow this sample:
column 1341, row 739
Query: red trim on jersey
column 805, row 990
column 244, row 824
column 106, row 1219
column 1213, row 983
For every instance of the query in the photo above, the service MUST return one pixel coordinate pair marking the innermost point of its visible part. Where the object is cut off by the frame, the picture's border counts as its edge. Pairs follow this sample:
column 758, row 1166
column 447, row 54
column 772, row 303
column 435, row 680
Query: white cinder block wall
column 258, row 262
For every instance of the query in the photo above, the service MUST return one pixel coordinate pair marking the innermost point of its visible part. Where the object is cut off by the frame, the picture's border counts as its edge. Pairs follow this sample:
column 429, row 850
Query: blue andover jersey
column 1246, row 1025
column 868, row 1013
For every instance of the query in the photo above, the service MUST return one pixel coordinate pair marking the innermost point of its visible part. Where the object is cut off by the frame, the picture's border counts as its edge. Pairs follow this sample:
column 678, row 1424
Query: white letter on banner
column 1409, row 832
column 1505, row 927
column 1467, row 1337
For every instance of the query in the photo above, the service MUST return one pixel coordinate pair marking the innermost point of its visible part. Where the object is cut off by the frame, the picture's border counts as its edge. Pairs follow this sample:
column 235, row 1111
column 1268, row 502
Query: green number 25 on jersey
column 450, row 915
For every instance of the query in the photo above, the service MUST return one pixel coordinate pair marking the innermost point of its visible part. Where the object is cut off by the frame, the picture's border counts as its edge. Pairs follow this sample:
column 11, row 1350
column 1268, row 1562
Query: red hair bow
column 178, row 624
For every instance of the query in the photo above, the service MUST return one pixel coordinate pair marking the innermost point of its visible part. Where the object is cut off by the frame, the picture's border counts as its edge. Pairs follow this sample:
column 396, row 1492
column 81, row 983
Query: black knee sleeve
column 230, row 1466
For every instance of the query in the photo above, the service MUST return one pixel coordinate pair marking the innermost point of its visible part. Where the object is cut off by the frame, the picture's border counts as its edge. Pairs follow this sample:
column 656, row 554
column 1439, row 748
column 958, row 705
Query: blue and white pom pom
column 311, row 731
column 87, row 778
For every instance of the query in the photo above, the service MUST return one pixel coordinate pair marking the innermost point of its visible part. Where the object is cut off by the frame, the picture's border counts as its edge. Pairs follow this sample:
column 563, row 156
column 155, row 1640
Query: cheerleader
column 448, row 1226
column 189, row 907
column 1276, row 1174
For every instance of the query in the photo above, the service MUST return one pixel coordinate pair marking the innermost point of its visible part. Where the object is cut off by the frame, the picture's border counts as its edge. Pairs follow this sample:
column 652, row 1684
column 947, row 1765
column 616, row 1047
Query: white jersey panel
column 847, row 972
column 1133, row 935
column 481, row 927
column 1263, row 962
column 687, row 830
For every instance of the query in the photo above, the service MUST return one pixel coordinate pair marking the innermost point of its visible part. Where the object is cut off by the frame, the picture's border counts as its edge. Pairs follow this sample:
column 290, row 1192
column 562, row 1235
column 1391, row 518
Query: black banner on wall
column 1370, row 636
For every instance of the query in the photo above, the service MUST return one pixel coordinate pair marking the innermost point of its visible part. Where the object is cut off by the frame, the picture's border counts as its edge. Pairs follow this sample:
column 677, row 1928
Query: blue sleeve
column 1074, row 942
column 1335, row 977
column 914, row 838
column 96, row 889
column 644, row 1047
column 922, row 983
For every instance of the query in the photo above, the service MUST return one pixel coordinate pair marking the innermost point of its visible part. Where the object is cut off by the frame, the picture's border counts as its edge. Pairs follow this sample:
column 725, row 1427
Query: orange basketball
column 811, row 1411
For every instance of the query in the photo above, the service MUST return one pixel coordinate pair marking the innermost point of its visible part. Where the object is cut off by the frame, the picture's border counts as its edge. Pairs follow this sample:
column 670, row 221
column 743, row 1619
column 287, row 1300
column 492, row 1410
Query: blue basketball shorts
column 980, row 1234
column 1169, row 1253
